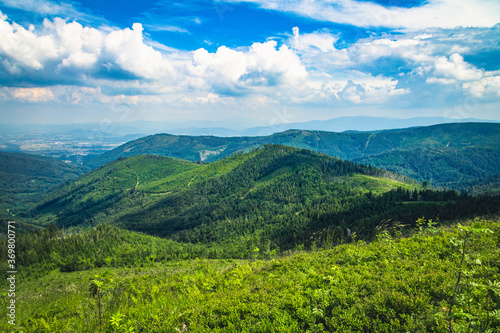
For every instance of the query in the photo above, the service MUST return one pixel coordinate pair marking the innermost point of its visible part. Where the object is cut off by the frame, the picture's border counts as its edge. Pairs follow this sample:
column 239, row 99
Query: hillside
column 456, row 168
column 456, row 151
column 273, row 197
column 489, row 186
column 393, row 284
column 24, row 177
column 89, row 197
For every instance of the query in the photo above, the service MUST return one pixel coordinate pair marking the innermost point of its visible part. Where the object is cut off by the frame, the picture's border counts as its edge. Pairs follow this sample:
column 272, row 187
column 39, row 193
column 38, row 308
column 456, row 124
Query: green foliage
column 457, row 168
column 52, row 250
column 467, row 296
column 393, row 284
column 106, row 191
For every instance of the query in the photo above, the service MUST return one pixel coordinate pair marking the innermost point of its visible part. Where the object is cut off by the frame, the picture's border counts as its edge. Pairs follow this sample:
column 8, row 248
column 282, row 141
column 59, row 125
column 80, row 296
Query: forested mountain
column 447, row 155
column 273, row 197
column 23, row 177
column 275, row 239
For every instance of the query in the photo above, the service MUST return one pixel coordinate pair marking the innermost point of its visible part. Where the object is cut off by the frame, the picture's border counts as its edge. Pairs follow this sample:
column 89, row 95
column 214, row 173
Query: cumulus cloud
column 60, row 44
column 486, row 87
column 434, row 13
column 32, row 94
column 376, row 69
column 262, row 65
column 352, row 92
column 321, row 42
column 456, row 68
column 22, row 47
column 121, row 66
column 127, row 48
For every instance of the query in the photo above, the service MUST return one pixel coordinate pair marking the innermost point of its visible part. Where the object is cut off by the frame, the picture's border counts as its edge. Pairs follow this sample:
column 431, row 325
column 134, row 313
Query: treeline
column 39, row 252
column 393, row 284
column 275, row 198
column 42, row 251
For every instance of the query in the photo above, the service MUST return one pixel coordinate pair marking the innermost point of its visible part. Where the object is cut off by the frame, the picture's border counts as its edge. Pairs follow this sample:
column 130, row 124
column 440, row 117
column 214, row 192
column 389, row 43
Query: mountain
column 94, row 192
column 24, row 177
column 275, row 195
column 359, row 123
column 447, row 155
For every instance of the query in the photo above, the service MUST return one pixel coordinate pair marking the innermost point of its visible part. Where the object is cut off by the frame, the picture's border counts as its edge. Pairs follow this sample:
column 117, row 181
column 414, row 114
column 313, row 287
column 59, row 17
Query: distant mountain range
column 342, row 124
column 447, row 155
column 118, row 130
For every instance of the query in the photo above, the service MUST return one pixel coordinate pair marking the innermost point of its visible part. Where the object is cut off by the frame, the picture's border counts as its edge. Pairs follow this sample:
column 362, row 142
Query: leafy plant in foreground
column 463, row 293
column 97, row 289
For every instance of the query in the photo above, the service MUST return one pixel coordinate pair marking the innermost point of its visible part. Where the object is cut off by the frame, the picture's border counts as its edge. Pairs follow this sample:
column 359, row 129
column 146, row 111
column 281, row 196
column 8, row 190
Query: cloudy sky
column 255, row 61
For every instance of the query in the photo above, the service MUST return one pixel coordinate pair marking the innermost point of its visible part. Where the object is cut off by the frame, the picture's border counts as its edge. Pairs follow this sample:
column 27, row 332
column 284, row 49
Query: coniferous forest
column 271, row 238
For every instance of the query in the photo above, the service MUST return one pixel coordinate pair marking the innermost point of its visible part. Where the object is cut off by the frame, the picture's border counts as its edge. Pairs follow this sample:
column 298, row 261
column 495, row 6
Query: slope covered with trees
column 275, row 239
column 457, row 168
column 440, row 153
column 274, row 197
column 24, row 177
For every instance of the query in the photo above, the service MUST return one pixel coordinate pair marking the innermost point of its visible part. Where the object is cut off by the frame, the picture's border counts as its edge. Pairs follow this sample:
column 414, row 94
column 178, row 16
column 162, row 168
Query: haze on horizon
column 263, row 62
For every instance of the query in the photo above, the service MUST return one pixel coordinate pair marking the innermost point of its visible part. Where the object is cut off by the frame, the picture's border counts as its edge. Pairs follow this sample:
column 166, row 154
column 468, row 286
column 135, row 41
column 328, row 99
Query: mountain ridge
column 444, row 140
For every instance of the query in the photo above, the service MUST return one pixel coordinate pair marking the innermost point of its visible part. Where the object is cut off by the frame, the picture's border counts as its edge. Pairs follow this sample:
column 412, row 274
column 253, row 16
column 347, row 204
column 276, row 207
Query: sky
column 247, row 62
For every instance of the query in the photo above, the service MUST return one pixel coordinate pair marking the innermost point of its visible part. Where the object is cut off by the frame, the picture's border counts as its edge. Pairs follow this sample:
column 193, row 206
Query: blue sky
column 255, row 62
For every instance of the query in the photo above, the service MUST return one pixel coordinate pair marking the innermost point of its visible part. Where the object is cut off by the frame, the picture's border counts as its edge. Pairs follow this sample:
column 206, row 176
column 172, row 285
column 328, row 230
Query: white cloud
column 261, row 65
column 23, row 47
column 434, row 13
column 486, row 87
column 119, row 66
column 32, row 94
column 169, row 28
column 363, row 70
column 321, row 42
column 80, row 59
column 68, row 45
column 43, row 7
column 129, row 51
column 456, row 69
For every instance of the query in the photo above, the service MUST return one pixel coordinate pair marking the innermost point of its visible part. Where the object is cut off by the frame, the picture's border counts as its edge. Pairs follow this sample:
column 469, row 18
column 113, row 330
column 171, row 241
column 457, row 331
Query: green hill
column 268, row 239
column 440, row 154
column 24, row 177
column 275, row 197
column 92, row 197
